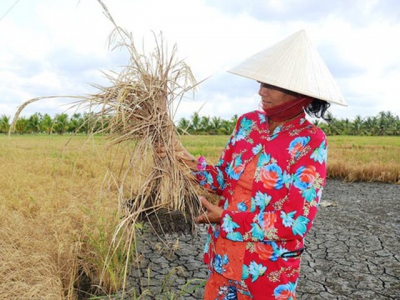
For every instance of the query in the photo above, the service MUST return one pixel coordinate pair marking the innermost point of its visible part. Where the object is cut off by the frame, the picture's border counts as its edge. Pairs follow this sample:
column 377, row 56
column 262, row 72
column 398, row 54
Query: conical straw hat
column 293, row 64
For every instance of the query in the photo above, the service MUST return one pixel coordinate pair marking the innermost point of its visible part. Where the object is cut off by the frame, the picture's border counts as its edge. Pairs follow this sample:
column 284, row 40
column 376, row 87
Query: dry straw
column 137, row 110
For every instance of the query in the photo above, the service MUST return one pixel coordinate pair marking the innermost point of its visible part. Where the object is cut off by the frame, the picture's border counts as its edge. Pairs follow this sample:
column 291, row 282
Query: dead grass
column 51, row 202
column 354, row 158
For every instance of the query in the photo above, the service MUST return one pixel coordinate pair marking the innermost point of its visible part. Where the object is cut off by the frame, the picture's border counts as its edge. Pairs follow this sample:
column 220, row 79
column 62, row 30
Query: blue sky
column 51, row 48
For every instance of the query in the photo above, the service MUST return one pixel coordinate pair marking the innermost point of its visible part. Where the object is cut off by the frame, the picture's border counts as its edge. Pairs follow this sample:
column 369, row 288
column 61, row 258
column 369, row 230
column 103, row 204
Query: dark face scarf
column 288, row 110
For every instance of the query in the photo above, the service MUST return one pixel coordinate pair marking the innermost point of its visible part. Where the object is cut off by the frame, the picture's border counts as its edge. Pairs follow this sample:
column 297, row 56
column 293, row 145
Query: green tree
column 215, row 125
column 390, row 122
column 204, row 124
column 184, row 126
column 5, row 124
column 227, row 127
column 396, row 127
column 335, row 126
column 21, row 125
column 234, row 119
column 345, row 126
column 34, row 121
column 75, row 123
column 371, row 125
column 61, row 123
column 46, row 124
column 90, row 123
column 195, row 122
column 357, row 126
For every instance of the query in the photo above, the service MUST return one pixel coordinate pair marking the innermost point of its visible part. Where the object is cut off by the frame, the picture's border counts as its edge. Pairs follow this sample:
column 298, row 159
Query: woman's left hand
column 213, row 212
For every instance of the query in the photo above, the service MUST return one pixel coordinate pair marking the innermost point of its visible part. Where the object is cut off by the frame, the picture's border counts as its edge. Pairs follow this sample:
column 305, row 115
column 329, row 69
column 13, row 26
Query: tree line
column 385, row 123
column 60, row 123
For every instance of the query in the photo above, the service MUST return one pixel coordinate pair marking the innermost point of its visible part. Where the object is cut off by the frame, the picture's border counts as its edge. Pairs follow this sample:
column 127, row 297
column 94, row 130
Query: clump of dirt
column 164, row 221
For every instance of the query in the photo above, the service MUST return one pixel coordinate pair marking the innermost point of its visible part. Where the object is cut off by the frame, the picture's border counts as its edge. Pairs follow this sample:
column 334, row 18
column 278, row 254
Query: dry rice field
column 58, row 214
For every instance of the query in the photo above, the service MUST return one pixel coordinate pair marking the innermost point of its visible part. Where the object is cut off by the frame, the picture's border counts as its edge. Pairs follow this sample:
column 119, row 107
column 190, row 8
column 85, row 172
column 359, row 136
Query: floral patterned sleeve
column 288, row 210
column 213, row 178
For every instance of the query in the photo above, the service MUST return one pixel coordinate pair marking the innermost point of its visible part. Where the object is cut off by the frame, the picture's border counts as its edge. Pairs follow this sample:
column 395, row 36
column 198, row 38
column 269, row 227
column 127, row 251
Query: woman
column 270, row 177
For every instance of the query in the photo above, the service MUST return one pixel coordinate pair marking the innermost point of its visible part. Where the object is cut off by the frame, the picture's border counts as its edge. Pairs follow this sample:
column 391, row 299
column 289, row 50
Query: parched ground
column 353, row 251
column 354, row 248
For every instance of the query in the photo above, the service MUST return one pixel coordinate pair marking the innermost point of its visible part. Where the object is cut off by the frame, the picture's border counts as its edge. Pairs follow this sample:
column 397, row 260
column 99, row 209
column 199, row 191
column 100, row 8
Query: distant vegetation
column 383, row 124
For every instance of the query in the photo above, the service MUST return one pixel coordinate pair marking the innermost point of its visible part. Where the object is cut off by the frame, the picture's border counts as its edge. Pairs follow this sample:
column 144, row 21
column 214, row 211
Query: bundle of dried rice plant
column 137, row 111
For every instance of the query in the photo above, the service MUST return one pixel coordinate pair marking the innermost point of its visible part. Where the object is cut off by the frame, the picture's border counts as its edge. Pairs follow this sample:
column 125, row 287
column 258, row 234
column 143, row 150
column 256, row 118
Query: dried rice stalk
column 137, row 109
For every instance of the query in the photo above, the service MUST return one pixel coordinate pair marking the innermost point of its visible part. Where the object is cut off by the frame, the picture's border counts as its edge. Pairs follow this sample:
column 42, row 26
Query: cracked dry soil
column 353, row 250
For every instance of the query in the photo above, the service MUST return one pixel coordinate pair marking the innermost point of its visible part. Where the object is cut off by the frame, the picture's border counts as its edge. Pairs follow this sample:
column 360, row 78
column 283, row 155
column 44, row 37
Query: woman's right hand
column 180, row 153
column 184, row 156
column 212, row 214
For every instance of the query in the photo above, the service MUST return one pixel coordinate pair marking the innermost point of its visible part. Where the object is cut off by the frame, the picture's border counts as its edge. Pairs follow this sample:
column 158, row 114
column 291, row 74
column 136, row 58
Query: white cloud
column 58, row 47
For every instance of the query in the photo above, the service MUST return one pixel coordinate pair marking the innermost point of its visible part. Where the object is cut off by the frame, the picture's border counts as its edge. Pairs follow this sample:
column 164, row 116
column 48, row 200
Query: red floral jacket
column 259, row 232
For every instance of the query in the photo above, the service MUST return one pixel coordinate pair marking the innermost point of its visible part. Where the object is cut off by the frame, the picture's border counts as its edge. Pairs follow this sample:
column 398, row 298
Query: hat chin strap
column 288, row 110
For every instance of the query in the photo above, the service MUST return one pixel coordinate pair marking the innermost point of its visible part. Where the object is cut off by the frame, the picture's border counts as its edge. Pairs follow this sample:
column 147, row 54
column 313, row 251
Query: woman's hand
column 213, row 212
column 180, row 153
column 183, row 155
